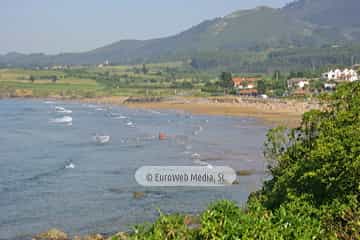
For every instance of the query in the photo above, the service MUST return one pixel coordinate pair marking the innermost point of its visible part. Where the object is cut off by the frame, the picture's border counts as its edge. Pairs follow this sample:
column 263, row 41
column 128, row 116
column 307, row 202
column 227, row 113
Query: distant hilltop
column 298, row 25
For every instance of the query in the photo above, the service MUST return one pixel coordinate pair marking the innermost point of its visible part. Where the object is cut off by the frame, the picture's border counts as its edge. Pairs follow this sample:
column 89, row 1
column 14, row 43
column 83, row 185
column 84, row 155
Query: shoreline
column 287, row 112
column 271, row 112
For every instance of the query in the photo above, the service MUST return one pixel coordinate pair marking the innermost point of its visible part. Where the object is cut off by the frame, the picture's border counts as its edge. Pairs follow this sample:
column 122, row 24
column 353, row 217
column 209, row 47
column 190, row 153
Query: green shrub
column 170, row 227
column 298, row 220
column 221, row 220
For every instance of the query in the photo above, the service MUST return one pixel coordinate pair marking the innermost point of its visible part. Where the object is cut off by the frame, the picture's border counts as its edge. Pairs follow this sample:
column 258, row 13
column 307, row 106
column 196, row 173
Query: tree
column 144, row 69
column 318, row 163
column 277, row 75
column 226, row 80
column 261, row 87
column 32, row 78
column 316, row 85
column 54, row 79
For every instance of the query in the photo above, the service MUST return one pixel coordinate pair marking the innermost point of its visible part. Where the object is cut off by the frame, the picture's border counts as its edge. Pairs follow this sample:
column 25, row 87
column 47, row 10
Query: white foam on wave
column 196, row 156
column 62, row 110
column 101, row 139
column 65, row 119
column 130, row 124
column 58, row 108
column 120, row 117
column 49, row 102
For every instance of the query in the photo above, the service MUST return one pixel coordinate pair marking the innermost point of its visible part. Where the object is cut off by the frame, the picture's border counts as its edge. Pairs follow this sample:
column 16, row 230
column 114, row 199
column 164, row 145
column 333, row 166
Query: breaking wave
column 62, row 110
column 65, row 119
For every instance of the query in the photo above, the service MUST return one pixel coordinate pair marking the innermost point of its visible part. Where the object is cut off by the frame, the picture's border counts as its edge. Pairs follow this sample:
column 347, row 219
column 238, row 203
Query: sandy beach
column 270, row 111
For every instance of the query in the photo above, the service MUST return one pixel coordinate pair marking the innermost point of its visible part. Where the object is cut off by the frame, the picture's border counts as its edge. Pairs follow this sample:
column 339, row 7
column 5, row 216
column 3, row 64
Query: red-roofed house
column 246, row 85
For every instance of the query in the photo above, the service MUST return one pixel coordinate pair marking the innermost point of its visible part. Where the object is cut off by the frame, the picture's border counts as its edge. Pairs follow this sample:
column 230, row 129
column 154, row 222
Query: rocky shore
column 55, row 234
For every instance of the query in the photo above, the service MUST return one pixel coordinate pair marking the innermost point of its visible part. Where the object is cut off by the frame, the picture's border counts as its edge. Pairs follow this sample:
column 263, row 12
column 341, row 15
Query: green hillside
column 341, row 16
column 335, row 13
column 245, row 36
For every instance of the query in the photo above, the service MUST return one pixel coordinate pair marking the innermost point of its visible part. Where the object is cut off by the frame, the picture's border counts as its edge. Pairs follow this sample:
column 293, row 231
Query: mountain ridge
column 302, row 23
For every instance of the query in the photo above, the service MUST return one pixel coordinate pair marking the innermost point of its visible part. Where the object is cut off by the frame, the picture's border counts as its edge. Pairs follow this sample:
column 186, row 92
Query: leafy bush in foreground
column 166, row 227
column 319, row 163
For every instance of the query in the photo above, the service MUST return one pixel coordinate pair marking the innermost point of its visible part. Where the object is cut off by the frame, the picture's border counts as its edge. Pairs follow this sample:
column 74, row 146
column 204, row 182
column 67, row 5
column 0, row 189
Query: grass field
column 165, row 79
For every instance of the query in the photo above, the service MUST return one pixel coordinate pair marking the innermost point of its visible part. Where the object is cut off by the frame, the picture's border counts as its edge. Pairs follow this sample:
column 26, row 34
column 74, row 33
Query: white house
column 338, row 73
column 329, row 86
column 299, row 83
column 353, row 75
column 302, row 84
column 341, row 75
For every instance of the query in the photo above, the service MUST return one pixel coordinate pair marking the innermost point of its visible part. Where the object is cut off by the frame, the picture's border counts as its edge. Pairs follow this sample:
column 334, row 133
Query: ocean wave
column 19, row 183
column 196, row 156
column 130, row 124
column 101, row 139
column 62, row 110
column 65, row 119
column 49, row 102
column 120, row 117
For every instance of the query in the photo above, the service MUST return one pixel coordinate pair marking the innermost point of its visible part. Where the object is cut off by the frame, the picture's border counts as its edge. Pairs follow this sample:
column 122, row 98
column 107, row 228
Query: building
column 246, row 85
column 349, row 75
column 104, row 64
column 245, row 82
column 329, row 86
column 298, row 83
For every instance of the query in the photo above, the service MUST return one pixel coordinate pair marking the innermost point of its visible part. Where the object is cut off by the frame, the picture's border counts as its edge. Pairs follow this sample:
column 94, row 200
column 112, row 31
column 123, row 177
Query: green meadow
column 165, row 79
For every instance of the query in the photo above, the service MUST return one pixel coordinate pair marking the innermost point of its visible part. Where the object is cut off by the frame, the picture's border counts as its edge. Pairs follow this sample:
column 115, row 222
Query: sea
column 55, row 173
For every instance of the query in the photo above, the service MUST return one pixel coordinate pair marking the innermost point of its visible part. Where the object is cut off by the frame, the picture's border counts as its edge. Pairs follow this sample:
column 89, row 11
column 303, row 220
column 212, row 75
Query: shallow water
column 38, row 192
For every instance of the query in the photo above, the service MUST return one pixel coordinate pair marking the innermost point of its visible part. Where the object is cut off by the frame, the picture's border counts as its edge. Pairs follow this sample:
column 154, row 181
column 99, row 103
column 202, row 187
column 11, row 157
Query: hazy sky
column 54, row 26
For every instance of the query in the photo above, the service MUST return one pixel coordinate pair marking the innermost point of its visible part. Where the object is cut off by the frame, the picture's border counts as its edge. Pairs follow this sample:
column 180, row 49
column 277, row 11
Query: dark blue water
column 37, row 192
